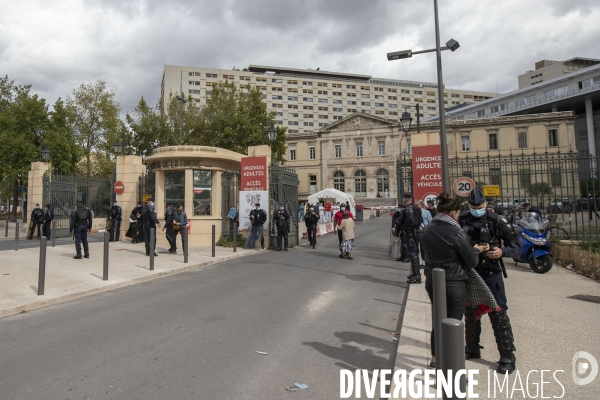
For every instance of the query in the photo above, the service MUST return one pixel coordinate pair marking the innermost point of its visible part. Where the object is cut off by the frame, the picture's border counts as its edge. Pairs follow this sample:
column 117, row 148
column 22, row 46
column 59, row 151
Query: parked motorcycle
column 534, row 236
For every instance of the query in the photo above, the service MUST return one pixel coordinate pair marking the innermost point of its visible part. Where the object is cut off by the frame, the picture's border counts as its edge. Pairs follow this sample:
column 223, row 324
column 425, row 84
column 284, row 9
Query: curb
column 77, row 295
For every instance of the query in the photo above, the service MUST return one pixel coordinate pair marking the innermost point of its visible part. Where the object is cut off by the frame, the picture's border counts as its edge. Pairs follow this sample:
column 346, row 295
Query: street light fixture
column 451, row 45
column 117, row 147
column 405, row 121
column 181, row 101
column 45, row 154
column 272, row 132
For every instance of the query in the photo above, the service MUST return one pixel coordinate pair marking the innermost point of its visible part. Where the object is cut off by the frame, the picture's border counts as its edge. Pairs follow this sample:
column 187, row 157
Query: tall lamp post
column 181, row 101
column 451, row 45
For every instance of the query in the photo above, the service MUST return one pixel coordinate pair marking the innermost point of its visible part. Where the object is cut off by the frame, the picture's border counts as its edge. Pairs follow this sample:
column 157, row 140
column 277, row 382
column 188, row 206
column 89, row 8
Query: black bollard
column 42, row 270
column 234, row 237
column 151, row 253
column 6, row 227
column 17, row 236
column 439, row 310
column 53, row 234
column 105, row 260
column 184, row 238
column 453, row 335
column 213, row 242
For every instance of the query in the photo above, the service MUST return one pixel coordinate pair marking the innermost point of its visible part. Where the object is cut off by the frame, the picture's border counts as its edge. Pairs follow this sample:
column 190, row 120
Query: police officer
column 403, row 250
column 486, row 227
column 311, row 219
column 282, row 222
column 48, row 217
column 81, row 223
column 138, row 231
column 169, row 218
column 257, row 217
column 37, row 219
column 150, row 221
column 115, row 216
column 407, row 225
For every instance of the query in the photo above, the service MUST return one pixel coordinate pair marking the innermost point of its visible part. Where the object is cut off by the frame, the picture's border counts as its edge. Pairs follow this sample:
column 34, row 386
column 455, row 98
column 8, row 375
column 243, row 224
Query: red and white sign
column 119, row 187
column 463, row 186
column 427, row 171
column 254, row 174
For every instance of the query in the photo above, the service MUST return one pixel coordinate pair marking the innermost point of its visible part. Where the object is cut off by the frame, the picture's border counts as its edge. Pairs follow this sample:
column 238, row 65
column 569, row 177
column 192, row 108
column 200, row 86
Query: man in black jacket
column 281, row 218
column 407, row 226
column 258, row 217
column 115, row 216
column 311, row 219
column 37, row 219
column 403, row 250
column 48, row 217
column 150, row 221
column 81, row 225
column 169, row 218
column 484, row 226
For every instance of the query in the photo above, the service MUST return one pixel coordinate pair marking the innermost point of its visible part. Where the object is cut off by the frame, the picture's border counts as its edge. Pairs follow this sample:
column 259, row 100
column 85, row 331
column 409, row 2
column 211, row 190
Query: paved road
column 195, row 335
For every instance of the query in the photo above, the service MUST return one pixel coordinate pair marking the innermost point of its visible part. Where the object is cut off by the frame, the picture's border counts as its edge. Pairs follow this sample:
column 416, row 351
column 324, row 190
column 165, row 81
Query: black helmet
column 476, row 198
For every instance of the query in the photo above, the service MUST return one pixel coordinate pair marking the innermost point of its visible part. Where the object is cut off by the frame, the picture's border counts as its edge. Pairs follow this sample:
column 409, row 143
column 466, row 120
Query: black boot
column 415, row 276
column 78, row 256
column 86, row 255
column 472, row 334
column 504, row 341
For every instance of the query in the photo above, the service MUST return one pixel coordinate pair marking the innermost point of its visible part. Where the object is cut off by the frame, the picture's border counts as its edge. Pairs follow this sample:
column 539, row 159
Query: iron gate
column 146, row 187
column 61, row 192
column 230, row 187
column 283, row 188
column 404, row 175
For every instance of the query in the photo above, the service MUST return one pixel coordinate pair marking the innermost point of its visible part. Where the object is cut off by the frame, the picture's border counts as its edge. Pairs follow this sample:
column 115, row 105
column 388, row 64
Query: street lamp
column 45, row 153
column 272, row 132
column 406, row 119
column 451, row 45
column 117, row 147
column 181, row 101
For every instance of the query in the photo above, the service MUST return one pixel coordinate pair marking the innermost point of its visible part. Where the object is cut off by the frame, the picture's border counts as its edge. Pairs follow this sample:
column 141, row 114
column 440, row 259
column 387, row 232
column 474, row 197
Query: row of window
column 360, row 182
column 553, row 140
column 337, row 150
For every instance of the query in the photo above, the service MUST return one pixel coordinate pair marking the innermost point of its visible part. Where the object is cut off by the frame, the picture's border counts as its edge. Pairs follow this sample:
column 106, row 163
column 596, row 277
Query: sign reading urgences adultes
column 427, row 171
column 254, row 174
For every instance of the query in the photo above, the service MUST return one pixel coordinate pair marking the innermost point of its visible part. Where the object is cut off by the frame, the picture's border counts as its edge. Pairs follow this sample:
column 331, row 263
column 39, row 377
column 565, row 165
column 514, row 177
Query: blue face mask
column 477, row 213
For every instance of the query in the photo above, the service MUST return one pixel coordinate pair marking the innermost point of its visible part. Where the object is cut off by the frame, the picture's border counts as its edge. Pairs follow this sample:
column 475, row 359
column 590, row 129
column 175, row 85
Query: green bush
column 592, row 246
column 227, row 240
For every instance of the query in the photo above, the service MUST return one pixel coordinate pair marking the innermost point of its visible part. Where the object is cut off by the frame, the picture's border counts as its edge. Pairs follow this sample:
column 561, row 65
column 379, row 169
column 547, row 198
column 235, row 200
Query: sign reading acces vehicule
column 427, row 171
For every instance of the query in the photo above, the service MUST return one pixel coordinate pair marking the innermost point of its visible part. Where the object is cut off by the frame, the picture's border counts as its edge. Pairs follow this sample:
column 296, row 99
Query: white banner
column 247, row 201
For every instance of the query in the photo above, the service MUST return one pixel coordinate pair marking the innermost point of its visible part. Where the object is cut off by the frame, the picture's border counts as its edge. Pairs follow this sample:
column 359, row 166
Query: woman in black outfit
column 446, row 245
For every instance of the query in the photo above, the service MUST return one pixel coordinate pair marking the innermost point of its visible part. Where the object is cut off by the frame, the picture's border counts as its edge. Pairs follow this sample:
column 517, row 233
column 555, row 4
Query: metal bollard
column 17, row 236
column 53, row 234
column 6, row 227
column 453, row 335
column 439, row 310
column 151, row 253
column 213, row 242
column 234, row 237
column 105, row 260
column 42, row 269
column 184, row 238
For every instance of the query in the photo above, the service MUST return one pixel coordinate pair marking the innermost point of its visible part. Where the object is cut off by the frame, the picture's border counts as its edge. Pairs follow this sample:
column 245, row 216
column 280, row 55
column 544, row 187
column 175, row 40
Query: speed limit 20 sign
column 463, row 186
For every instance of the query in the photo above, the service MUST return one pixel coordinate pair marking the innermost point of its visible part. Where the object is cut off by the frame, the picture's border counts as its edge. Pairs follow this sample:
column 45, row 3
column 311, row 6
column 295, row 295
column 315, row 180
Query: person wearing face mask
column 37, row 220
column 445, row 245
column 150, row 221
column 484, row 226
column 135, row 231
column 403, row 250
column 48, row 217
column 337, row 221
column 408, row 227
column 169, row 225
column 258, row 217
column 282, row 222
column 115, row 216
column 311, row 219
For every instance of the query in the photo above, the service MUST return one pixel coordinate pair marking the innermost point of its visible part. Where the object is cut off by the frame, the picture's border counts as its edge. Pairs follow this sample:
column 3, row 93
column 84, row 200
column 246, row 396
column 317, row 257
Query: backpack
column 417, row 217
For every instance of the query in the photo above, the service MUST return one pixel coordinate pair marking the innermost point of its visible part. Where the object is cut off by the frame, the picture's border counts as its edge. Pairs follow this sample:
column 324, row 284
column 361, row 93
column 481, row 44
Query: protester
column 337, row 221
column 347, row 228
column 445, row 245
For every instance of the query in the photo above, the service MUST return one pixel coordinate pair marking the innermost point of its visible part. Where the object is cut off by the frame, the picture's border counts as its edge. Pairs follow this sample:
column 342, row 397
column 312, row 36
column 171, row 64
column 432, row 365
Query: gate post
column 129, row 169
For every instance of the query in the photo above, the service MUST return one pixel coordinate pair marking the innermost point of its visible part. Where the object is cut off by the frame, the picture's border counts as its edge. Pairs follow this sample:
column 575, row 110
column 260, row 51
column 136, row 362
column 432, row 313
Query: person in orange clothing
column 337, row 221
column 327, row 211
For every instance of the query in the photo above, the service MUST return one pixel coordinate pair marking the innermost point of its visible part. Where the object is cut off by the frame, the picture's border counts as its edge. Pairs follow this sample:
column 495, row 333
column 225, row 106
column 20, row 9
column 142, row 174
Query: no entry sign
column 463, row 186
column 119, row 187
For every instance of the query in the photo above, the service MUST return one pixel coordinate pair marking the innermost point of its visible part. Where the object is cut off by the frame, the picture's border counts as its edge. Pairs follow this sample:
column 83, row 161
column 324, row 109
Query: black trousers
column 171, row 239
column 147, row 237
column 282, row 233
column 312, row 234
column 46, row 229
column 115, row 231
column 456, row 300
column 340, row 238
column 81, row 232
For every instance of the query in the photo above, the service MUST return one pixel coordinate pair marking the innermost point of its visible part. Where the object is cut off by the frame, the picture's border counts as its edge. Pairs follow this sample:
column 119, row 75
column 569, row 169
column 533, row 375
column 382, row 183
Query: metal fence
column 230, row 187
column 564, row 186
column 283, row 189
column 61, row 191
column 146, row 187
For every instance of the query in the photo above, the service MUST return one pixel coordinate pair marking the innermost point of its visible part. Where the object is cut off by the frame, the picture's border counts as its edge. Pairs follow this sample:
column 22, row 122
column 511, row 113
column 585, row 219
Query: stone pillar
column 35, row 184
column 129, row 169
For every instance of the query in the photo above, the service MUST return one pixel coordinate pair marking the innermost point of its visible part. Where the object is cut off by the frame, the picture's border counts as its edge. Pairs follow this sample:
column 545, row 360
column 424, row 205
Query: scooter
column 534, row 236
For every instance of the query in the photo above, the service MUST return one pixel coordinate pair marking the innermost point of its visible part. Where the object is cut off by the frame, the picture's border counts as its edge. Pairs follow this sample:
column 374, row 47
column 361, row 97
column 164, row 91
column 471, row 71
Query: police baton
column 501, row 261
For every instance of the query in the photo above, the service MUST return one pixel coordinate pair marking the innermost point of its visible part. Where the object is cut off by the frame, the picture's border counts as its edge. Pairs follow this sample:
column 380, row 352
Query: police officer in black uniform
column 115, row 216
column 281, row 218
column 48, row 217
column 150, row 221
column 81, row 224
column 258, row 216
column 138, row 230
column 169, row 218
column 311, row 219
column 403, row 250
column 486, row 227
column 37, row 219
column 407, row 225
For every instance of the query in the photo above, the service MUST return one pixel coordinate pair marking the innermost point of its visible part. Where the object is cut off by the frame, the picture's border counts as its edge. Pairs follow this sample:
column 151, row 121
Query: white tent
column 332, row 195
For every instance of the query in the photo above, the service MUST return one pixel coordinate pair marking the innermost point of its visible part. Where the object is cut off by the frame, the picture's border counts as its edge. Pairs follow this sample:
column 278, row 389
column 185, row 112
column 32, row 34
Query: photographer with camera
column 486, row 227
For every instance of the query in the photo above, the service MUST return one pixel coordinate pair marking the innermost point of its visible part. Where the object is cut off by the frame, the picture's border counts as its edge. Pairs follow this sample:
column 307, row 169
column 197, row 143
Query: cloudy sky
column 57, row 45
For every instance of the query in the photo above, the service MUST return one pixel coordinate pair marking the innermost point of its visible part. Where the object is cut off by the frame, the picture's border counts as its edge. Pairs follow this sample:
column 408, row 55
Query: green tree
column 93, row 114
column 148, row 129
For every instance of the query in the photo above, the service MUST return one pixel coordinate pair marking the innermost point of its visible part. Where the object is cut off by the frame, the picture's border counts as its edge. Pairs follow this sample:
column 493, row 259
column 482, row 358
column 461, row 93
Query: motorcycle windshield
column 533, row 222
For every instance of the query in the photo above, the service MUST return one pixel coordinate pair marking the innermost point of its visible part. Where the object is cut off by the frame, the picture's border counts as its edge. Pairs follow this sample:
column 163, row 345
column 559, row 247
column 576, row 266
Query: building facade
column 306, row 100
column 548, row 69
column 358, row 154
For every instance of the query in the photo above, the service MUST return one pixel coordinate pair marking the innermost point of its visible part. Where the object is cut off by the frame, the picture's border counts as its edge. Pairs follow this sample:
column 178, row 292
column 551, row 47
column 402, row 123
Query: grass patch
column 591, row 245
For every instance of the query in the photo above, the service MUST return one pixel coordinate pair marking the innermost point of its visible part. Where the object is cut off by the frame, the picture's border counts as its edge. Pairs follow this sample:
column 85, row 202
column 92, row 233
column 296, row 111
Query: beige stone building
column 549, row 69
column 358, row 153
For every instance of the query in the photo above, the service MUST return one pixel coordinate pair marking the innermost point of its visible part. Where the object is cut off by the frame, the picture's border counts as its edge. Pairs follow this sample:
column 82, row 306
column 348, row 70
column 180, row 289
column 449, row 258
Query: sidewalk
column 67, row 278
column 549, row 325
